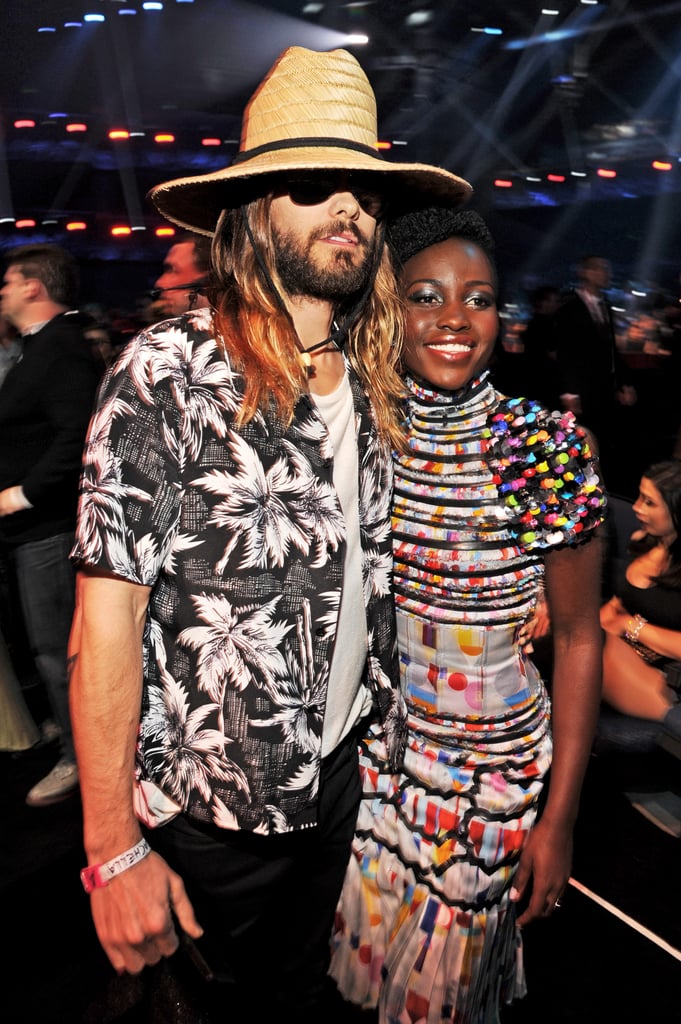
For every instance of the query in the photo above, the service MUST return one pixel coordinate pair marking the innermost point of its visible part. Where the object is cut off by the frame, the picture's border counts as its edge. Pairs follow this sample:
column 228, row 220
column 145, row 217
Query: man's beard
column 301, row 275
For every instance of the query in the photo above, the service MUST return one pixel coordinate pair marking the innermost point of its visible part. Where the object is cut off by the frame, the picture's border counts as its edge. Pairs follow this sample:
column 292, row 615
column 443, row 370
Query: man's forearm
column 105, row 657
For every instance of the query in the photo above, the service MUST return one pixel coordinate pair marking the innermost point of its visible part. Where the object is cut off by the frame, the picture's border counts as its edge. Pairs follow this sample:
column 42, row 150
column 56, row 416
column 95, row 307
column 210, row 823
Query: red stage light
column 662, row 165
column 76, row 127
column 503, row 183
column 120, row 229
column 555, row 177
column 25, row 223
column 24, row 122
column 119, row 133
column 167, row 232
column 211, row 142
column 605, row 172
column 76, row 225
column 164, row 137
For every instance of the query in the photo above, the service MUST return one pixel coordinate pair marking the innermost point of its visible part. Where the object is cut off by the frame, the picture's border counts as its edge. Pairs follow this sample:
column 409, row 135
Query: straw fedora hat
column 312, row 111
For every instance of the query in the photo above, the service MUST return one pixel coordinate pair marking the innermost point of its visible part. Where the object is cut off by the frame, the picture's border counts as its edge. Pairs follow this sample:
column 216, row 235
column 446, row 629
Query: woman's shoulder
column 529, row 430
column 546, row 472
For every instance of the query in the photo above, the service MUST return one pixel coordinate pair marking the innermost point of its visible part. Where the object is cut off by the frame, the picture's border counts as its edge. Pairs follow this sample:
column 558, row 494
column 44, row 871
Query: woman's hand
column 543, row 871
column 614, row 617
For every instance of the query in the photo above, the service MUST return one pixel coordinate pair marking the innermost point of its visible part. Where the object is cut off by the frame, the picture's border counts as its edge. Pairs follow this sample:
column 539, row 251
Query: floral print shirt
column 240, row 535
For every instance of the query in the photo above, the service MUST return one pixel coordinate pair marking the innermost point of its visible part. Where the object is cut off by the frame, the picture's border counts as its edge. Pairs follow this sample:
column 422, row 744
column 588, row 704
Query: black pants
column 267, row 903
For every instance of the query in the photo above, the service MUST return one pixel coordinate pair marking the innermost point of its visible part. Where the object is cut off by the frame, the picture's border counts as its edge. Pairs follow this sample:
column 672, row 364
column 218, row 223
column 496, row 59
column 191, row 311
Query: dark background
column 595, row 86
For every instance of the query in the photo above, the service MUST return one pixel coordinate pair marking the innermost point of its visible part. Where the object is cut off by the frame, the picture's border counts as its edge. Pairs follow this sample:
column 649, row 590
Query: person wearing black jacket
column 592, row 377
column 46, row 401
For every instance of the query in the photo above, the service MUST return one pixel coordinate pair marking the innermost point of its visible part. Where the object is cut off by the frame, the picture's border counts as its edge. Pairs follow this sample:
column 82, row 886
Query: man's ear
column 34, row 289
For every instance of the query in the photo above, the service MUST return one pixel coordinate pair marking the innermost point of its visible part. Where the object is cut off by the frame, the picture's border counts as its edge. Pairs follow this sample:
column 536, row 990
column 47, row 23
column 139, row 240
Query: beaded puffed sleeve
column 546, row 474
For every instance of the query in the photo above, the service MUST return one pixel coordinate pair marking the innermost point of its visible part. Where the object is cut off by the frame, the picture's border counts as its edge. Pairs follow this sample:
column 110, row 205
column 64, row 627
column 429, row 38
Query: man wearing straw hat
column 234, row 621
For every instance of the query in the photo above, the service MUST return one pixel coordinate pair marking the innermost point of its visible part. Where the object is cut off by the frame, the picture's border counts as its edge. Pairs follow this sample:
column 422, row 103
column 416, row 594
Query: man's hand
column 535, row 628
column 134, row 915
column 13, row 499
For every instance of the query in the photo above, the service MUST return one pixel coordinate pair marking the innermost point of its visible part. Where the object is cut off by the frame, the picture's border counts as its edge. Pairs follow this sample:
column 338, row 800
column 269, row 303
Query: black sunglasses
column 320, row 187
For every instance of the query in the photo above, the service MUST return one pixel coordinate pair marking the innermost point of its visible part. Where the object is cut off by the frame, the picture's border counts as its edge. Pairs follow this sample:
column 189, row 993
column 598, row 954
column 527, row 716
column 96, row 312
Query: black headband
column 304, row 143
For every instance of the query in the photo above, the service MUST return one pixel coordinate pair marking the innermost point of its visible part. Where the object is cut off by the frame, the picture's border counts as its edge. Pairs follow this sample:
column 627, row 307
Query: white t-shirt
column 347, row 701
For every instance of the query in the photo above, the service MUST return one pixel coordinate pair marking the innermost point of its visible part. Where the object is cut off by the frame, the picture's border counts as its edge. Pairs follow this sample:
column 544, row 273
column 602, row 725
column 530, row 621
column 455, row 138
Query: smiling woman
column 452, row 318
column 490, row 495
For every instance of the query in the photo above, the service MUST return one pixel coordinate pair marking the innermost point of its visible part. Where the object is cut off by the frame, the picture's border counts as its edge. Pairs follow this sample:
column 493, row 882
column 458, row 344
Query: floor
column 612, row 953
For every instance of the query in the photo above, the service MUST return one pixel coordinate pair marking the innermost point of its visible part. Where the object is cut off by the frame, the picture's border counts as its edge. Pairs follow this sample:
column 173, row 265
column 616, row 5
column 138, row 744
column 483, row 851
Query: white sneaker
column 56, row 786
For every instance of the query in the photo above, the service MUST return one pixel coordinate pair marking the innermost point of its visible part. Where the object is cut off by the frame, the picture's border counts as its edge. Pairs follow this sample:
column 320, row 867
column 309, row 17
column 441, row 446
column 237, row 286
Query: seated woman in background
column 642, row 622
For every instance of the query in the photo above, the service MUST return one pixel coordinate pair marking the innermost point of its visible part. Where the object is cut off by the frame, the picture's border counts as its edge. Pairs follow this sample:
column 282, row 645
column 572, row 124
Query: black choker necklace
column 306, row 353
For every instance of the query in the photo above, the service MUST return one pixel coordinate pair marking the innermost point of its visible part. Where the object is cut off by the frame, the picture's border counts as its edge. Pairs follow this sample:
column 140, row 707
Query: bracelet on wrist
column 634, row 627
column 96, row 876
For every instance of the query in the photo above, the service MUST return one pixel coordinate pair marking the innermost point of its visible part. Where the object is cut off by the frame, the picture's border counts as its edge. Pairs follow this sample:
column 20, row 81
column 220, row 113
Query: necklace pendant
column 306, row 360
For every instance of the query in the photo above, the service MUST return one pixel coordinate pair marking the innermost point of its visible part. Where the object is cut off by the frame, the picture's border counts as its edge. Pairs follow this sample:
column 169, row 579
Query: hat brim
column 195, row 203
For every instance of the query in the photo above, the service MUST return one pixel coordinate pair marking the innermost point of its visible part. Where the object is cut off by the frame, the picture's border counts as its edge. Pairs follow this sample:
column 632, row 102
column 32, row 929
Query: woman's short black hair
column 417, row 230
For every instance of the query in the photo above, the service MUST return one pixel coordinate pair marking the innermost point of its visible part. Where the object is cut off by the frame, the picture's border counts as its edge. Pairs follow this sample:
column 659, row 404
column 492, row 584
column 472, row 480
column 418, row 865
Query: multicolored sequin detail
column 545, row 474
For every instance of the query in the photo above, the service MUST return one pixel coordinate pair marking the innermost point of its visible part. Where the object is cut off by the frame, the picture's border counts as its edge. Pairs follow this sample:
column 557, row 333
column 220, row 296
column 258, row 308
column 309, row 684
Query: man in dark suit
column 593, row 379
column 45, row 404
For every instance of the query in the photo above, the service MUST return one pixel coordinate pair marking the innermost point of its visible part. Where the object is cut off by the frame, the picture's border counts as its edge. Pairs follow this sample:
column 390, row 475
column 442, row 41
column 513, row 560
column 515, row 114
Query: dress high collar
column 426, row 394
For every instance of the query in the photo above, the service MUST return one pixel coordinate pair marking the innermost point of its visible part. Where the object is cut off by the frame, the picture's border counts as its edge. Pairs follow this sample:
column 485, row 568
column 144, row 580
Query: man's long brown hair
column 259, row 337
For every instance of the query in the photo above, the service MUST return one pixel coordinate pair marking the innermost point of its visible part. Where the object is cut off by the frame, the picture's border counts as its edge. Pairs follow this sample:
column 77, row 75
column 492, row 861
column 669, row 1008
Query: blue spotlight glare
column 152, row 5
column 47, row 28
column 94, row 17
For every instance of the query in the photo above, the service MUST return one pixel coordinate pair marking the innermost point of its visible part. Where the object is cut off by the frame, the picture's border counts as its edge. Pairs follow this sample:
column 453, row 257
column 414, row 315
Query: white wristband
column 98, row 875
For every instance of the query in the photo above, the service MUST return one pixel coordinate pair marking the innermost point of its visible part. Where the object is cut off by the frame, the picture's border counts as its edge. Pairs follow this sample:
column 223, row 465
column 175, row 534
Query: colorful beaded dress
column 425, row 927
